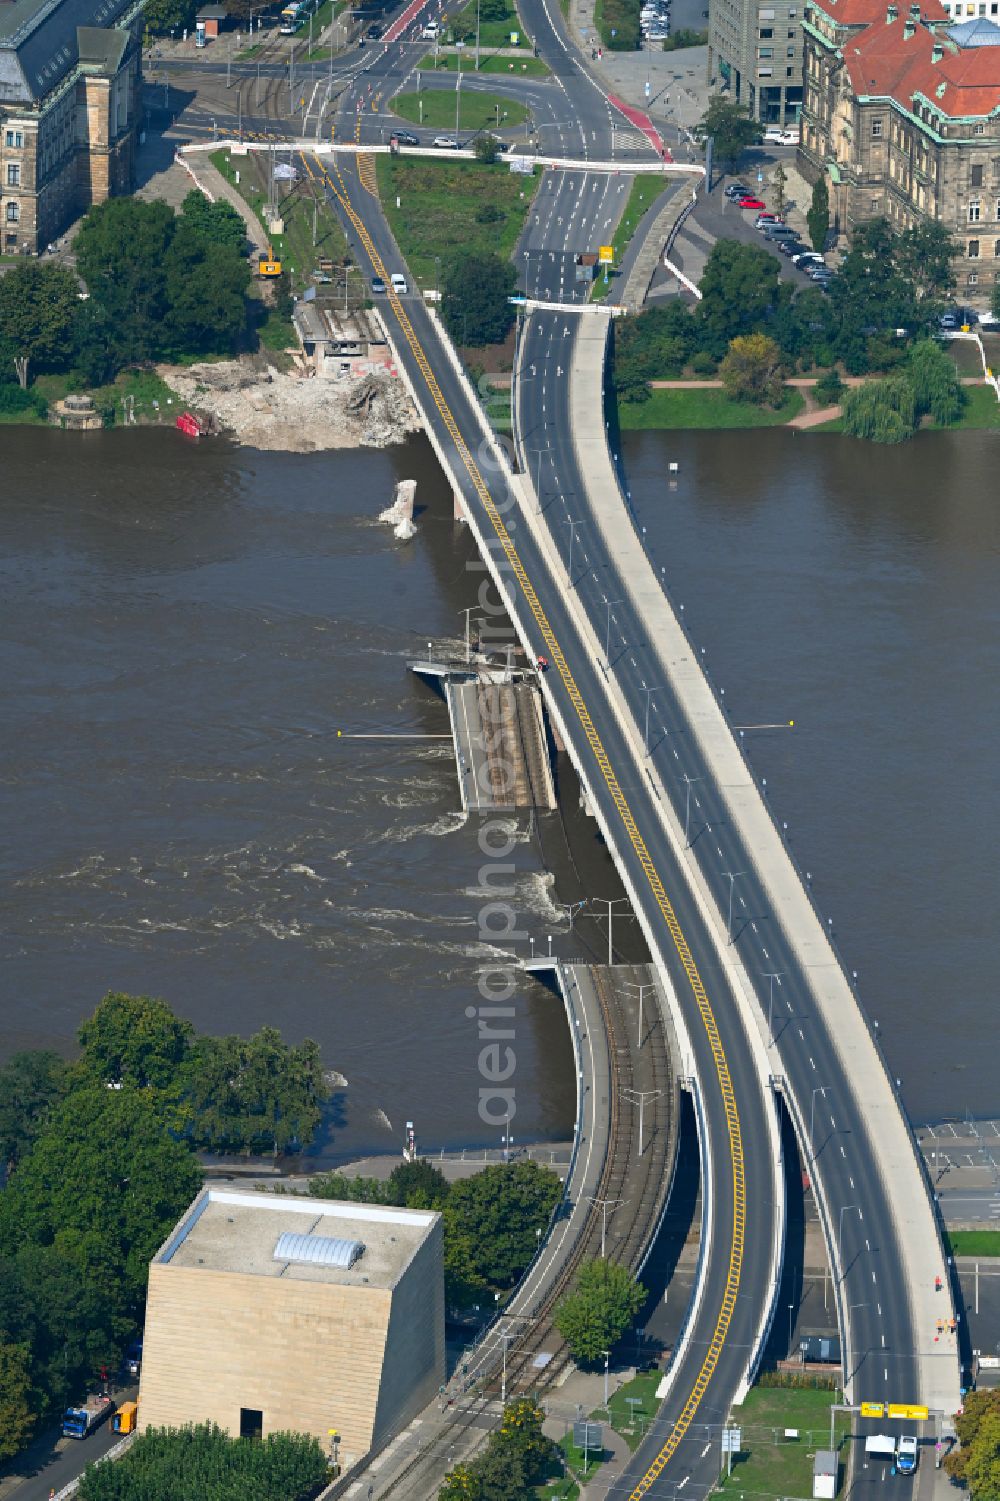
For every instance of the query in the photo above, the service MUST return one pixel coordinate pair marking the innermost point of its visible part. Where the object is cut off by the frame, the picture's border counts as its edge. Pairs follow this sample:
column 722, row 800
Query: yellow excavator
column 267, row 265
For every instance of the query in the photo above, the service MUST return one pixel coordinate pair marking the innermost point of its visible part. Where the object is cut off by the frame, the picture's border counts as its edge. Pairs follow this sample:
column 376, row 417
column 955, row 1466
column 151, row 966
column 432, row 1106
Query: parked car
column 948, row 323
column 766, row 218
column 406, row 138
column 778, row 232
column 806, row 257
column 374, row 32
column 790, row 247
column 446, row 143
column 819, row 273
column 751, row 203
column 378, row 286
column 736, row 190
column 775, row 136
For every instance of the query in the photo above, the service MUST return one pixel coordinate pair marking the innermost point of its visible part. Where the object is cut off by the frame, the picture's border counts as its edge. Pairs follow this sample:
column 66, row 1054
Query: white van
column 431, row 32
column 399, row 284
column 775, row 136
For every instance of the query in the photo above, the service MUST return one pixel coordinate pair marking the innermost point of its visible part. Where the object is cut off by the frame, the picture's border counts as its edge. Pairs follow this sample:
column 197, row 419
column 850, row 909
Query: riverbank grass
column 769, row 1465
column 702, row 409
column 294, row 248
column 434, row 109
column 450, row 208
column 509, row 67
column 143, row 391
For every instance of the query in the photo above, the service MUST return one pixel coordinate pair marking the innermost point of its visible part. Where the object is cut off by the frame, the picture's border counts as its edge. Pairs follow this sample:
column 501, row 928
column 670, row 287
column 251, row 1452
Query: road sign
column 588, row 1436
column 731, row 1439
column 518, row 301
column 908, row 1410
column 606, row 255
column 873, row 1409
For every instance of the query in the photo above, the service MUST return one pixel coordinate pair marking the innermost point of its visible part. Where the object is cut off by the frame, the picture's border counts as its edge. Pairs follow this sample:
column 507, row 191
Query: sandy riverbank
column 264, row 407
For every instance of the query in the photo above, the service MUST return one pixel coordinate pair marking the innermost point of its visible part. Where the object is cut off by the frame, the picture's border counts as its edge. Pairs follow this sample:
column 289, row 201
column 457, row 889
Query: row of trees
column 493, row 1220
column 100, row 1163
column 977, row 1462
column 158, row 285
column 887, row 282
column 203, row 1462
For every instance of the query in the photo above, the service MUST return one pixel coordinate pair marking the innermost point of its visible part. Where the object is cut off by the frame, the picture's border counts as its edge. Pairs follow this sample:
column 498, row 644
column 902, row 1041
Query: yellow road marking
column 558, row 661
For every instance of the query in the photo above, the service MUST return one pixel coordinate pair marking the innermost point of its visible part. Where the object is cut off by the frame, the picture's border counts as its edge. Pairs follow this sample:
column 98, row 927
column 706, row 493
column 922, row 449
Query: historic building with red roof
column 905, row 121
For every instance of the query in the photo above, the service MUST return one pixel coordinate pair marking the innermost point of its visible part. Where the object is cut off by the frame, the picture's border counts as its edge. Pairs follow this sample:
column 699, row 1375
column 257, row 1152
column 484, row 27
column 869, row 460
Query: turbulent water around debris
column 185, row 629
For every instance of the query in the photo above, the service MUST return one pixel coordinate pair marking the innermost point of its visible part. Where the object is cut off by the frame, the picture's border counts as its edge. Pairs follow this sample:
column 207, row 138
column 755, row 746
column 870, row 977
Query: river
column 185, row 629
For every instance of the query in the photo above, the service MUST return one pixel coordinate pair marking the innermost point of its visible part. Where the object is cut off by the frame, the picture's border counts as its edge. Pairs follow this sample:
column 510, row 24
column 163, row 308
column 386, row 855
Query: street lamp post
column 820, row 1089
column 604, row 1205
column 607, row 1362
column 689, row 783
column 791, row 1310
column 733, row 876
column 642, row 991
column 609, row 605
column 572, row 524
column 844, row 1209
column 610, row 903
column 649, row 699
column 771, row 976
column 640, row 1096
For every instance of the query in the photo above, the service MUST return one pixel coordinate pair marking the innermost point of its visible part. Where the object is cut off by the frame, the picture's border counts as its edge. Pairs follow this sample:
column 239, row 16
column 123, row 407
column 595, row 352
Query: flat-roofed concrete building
column 755, row 51
column 269, row 1313
column 69, row 104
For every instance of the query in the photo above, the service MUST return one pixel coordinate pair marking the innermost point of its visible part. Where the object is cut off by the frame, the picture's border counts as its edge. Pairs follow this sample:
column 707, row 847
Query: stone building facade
column 755, row 52
column 70, row 80
column 905, row 122
column 273, row 1313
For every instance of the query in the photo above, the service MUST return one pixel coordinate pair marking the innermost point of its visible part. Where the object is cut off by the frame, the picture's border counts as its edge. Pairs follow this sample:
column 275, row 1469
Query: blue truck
column 80, row 1421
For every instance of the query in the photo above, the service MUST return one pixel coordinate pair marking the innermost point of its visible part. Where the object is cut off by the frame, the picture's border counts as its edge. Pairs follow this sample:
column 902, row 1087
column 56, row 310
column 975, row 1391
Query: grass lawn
column 575, row 1458
column 629, row 1419
column 493, row 32
column 441, row 200
column 435, row 109
column 521, row 67
column 704, row 409
column 770, row 1465
column 143, row 386
column 644, row 190
column 982, row 410
column 974, row 1242
column 295, row 247
column 557, row 1490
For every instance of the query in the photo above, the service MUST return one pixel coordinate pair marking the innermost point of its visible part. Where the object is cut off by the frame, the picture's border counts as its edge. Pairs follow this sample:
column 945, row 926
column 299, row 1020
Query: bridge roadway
column 886, row 1319
column 737, row 1135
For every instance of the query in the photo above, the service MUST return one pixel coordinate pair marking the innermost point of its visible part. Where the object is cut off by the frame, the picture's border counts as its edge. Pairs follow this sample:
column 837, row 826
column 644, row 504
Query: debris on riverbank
column 264, row 407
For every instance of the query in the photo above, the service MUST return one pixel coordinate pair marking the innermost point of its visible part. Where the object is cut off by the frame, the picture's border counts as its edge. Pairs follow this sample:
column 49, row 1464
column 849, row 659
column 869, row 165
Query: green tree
column 475, row 292
column 135, row 1040
column 593, row 1317
column 206, row 285
column 253, row 1094
column 204, row 1462
column 487, row 150
column 739, row 288
column 995, row 300
column 730, row 127
column 780, row 179
column 520, row 1437
column 161, row 17
column 463, row 1483
column 751, row 371
column 818, row 216
column 517, row 1458
column 654, row 345
column 38, row 303
column 30, row 1084
column 214, row 223
column 121, row 249
column 17, row 1416
column 935, row 381
column 976, row 1462
column 869, row 293
column 883, row 411
column 492, row 1226
column 417, row 1185
column 925, row 256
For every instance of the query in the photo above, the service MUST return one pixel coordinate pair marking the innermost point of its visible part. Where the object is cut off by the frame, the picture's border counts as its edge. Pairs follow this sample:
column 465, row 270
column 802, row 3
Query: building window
column 974, row 211
column 789, row 51
column 996, row 247
column 13, row 213
column 876, row 128
column 767, row 52
column 876, row 205
column 14, row 138
column 973, row 279
column 766, row 33
column 251, row 1423
column 979, row 130
column 975, row 177
column 13, row 174
column 973, row 251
